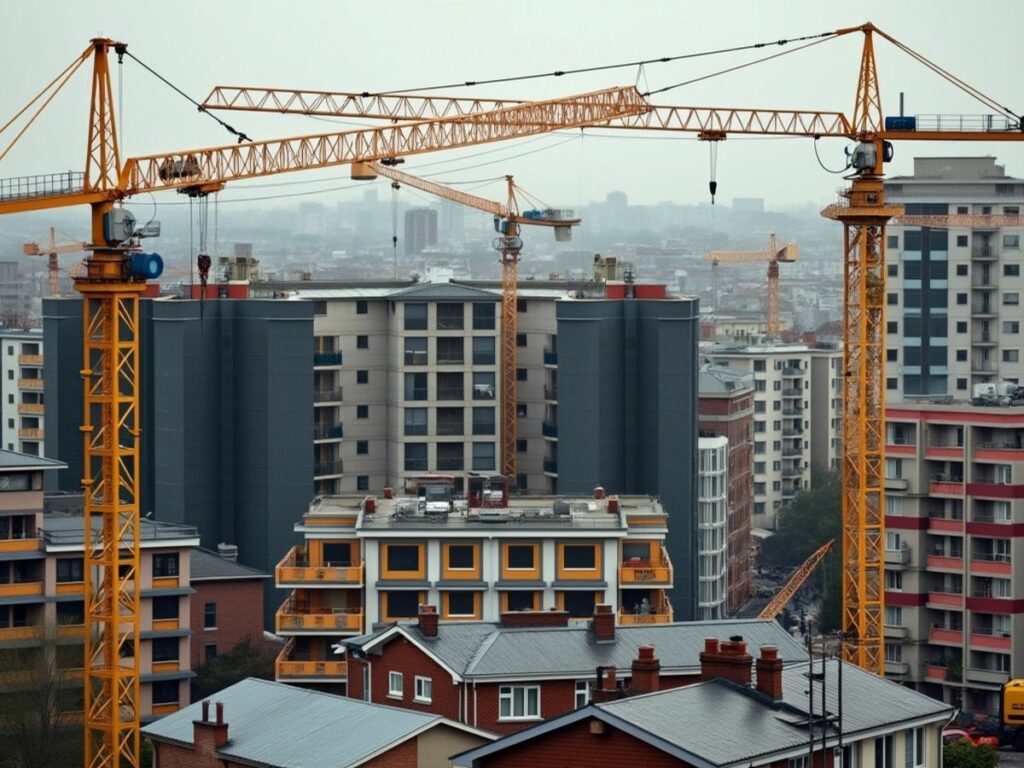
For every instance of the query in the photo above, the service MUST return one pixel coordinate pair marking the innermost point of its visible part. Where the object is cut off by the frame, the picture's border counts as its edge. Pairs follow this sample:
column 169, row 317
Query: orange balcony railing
column 294, row 568
column 291, row 619
column 644, row 572
column 22, row 589
column 30, row 359
column 31, row 408
column 660, row 613
column 30, row 383
column 289, row 668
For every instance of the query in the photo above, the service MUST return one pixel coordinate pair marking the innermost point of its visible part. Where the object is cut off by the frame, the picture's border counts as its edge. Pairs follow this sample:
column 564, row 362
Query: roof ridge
column 486, row 644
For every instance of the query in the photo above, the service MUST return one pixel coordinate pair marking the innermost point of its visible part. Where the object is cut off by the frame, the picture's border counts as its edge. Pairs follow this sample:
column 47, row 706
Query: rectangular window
column 894, row 580
column 362, row 482
column 362, row 377
column 450, row 421
column 519, row 702
column 961, row 241
column 579, row 605
column 483, row 421
column 449, row 317
column 165, row 565
column 396, row 684
column 1011, row 326
column 165, row 648
column 1011, row 299
column 165, row 691
column 415, row 317
column 415, row 350
column 461, row 604
column 362, row 342
column 1011, row 241
column 483, row 456
column 1011, row 270
column 362, row 307
column 71, row 613
column 884, row 752
column 69, row 569
column 337, row 553
column 461, row 557
column 165, row 607
column 401, row 605
column 403, row 557
column 522, row 601
column 415, row 421
column 415, row 386
column 961, row 270
column 423, row 690
column 450, row 350
column 1011, row 355
column 415, row 457
column 520, row 556
column 483, row 350
column 579, row 557
column 449, row 386
column 893, row 615
column 483, row 386
column 483, row 317
column 362, row 447
column 520, row 339
column 210, row 616
column 521, row 374
column 582, row 693
column 362, row 411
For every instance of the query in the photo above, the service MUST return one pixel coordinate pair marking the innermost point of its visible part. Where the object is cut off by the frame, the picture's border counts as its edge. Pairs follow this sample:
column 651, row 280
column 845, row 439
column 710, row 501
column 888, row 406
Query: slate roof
column 273, row 724
column 17, row 460
column 205, row 565
column 484, row 650
column 444, row 292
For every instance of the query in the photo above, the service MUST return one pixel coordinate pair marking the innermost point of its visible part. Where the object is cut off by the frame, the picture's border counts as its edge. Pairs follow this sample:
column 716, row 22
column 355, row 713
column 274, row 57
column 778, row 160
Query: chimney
column 646, row 671
column 209, row 736
column 769, row 673
column 607, row 686
column 613, row 505
column 550, row 618
column 389, row 492
column 599, row 492
column 603, row 623
column 728, row 659
column 370, row 505
column 428, row 620
column 228, row 552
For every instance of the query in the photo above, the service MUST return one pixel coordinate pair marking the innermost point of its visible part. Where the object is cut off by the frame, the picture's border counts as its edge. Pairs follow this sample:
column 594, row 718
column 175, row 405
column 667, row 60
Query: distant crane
column 53, row 251
column 784, row 595
column 773, row 255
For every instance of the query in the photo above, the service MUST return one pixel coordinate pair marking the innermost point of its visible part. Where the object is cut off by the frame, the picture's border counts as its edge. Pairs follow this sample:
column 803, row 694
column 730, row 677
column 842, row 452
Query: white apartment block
column 712, row 519
column 21, row 391
column 797, row 416
column 954, row 311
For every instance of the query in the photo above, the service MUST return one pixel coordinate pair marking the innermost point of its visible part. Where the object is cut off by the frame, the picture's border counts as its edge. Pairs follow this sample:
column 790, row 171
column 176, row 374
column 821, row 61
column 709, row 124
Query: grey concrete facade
column 627, row 412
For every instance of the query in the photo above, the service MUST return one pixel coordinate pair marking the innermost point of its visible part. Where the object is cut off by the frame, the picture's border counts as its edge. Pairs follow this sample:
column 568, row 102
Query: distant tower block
column 243, row 250
column 420, row 230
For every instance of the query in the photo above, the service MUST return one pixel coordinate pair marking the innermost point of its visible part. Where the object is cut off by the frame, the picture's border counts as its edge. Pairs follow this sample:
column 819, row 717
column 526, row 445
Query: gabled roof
column 205, row 565
column 273, row 724
column 676, row 720
column 444, row 292
column 17, row 460
column 484, row 650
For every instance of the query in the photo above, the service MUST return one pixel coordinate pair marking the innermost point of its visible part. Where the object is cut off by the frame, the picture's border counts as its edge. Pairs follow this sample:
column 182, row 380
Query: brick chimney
column 209, row 736
column 603, row 623
column 613, row 505
column 607, row 686
column 599, row 492
column 646, row 672
column 728, row 659
column 370, row 505
column 389, row 492
column 428, row 620
column 535, row 619
column 769, row 672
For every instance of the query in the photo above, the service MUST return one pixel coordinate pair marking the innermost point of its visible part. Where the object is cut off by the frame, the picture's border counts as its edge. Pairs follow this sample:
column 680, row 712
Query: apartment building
column 41, row 583
column 726, row 409
column 954, row 310
column 712, row 530
column 367, row 560
column 954, row 621
column 797, row 415
column 21, row 391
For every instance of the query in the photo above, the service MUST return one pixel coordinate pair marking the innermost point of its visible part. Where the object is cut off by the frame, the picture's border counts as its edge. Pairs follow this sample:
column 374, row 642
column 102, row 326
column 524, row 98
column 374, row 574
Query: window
column 337, row 553
column 362, row 342
column 521, row 374
column 209, row 652
column 401, row 605
column 1011, row 299
column 362, row 411
column 362, row 377
column 521, row 305
column 362, row 482
column 415, row 457
column 892, row 299
column 415, row 386
column 449, row 386
column 1011, row 326
column 1011, row 241
column 483, row 456
column 893, row 541
column 961, row 355
column 802, row 761
column 522, row 601
column 759, row 366
column 483, row 317
column 462, row 604
column 71, row 613
column 893, row 652
column 520, row 339
column 361, row 307
column 483, row 421
column 415, row 350
column 520, row 556
column 580, row 605
column 519, row 702
column 961, row 326
column 165, row 691
column 69, row 569
column 890, row 355
column 415, row 317
column 423, row 692
column 165, row 607
column 165, row 565
column 165, row 648
column 580, row 557
column 362, row 447
column 961, row 270
column 891, row 326
column 891, row 383
column 894, row 580
column 415, row 421
column 210, row 616
column 450, row 350
column 892, row 241
column 1011, row 270
column 1011, row 355
column 522, row 446
column 893, row 615
column 884, row 752
column 483, row 386
column 961, row 241
column 582, row 693
column 521, row 410
column 396, row 684
column 1001, row 588
column 961, row 299
column 461, row 557
column 893, row 270
column 961, row 383
column 449, row 317
column 403, row 557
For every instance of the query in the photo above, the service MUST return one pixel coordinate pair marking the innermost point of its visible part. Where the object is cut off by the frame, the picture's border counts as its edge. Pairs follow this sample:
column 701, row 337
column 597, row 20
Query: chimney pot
column 769, row 673
column 769, row 652
column 646, row 652
column 370, row 505
column 206, row 711
column 711, row 645
column 646, row 671
column 599, row 492
column 389, row 492
column 220, row 713
column 613, row 505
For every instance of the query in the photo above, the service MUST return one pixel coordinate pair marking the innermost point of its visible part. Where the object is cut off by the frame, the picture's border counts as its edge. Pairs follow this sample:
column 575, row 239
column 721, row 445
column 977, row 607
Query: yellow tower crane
column 791, row 587
column 53, row 251
column 116, row 275
column 773, row 255
column 507, row 221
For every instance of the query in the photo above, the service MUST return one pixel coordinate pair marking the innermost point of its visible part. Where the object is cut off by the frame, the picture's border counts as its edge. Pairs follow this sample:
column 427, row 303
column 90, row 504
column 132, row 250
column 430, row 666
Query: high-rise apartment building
column 21, row 392
column 712, row 529
column 420, row 230
column 726, row 409
column 797, row 414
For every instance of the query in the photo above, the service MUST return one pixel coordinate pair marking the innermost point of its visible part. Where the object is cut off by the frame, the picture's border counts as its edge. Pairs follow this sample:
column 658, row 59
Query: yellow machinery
column 863, row 213
column 784, row 595
column 507, row 220
column 116, row 274
column 53, row 251
column 787, row 254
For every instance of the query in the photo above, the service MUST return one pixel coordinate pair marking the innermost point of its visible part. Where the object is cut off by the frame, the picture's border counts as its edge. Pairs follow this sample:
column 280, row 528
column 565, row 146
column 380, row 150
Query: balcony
column 999, row 451
column 793, row 431
column 550, row 393
column 792, row 393
column 945, row 562
column 792, row 413
column 35, row 384
column 451, row 465
column 27, row 543
column 939, row 486
column 899, row 556
column 984, row 340
column 294, row 571
column 30, row 359
column 550, row 358
column 895, row 632
column 791, row 452
column 30, row 434
column 945, row 600
column 983, row 253
column 935, row 673
column 549, row 429
column 986, row 676
column 643, row 572
column 328, row 468
column 330, row 395
column 943, row 524
column 551, row 466
column 987, row 639
column 944, row 451
column 896, row 484
column 983, row 283
column 655, row 617
column 982, row 309
column 984, row 367
column 945, row 636
column 289, row 619
column 328, row 431
column 896, row 667
column 22, row 589
column 30, row 408
column 790, row 372
column 792, row 472
column 326, row 359
column 311, row 670
column 994, row 564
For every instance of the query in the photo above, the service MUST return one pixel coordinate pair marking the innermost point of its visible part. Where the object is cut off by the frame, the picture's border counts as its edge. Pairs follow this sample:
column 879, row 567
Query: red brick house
column 727, row 719
column 227, row 607
column 273, row 725
column 506, row 676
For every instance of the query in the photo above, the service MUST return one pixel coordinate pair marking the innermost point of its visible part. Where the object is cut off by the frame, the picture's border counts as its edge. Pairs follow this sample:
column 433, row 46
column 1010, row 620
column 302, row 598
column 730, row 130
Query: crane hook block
column 148, row 266
column 713, row 186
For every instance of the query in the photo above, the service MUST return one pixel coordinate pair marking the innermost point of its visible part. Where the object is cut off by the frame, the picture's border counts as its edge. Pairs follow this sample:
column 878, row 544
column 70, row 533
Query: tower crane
column 507, row 221
column 773, row 255
column 863, row 212
column 53, row 251
column 791, row 587
column 115, row 278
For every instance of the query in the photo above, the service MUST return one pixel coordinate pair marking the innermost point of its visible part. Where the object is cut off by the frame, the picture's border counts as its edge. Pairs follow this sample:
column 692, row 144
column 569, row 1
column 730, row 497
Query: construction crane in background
column 53, row 251
column 507, row 221
column 116, row 275
column 862, row 210
column 791, row 587
column 773, row 255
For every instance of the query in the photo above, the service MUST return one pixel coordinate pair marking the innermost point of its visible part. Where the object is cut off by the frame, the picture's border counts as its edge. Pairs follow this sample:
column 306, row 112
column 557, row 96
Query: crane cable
column 395, row 186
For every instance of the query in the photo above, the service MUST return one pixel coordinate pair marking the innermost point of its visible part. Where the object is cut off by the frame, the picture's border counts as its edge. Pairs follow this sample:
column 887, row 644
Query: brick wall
column 175, row 756
column 239, row 614
column 402, row 656
column 405, row 755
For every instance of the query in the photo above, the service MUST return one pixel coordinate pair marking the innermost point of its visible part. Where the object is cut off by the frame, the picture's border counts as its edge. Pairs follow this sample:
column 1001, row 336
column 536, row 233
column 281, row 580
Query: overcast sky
column 402, row 44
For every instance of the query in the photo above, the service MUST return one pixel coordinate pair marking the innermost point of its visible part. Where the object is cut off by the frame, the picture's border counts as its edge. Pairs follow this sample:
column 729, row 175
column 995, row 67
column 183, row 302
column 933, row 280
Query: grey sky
column 403, row 43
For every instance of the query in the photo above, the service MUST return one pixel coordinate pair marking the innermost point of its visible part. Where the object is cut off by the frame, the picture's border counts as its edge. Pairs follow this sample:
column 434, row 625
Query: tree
column 247, row 659
column 805, row 524
column 963, row 754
